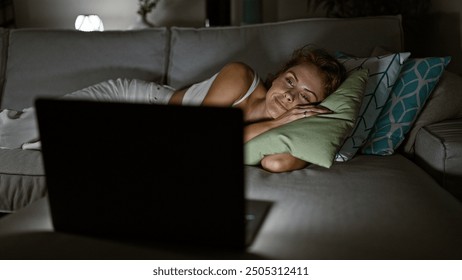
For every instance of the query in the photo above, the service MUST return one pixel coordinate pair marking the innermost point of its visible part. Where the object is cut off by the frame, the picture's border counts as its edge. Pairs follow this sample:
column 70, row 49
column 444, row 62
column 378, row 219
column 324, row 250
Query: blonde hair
column 333, row 71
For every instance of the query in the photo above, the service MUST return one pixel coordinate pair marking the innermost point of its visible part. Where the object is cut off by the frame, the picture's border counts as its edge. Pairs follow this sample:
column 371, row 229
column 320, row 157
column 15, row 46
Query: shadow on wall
column 436, row 34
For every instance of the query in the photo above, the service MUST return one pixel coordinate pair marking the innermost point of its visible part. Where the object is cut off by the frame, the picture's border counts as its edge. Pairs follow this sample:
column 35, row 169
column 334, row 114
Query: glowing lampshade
column 89, row 23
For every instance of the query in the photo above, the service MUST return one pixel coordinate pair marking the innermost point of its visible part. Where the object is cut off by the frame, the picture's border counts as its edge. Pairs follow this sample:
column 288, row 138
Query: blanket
column 19, row 129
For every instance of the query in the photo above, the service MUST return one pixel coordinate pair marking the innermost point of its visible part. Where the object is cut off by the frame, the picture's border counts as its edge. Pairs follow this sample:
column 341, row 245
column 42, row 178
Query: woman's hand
column 295, row 113
column 301, row 111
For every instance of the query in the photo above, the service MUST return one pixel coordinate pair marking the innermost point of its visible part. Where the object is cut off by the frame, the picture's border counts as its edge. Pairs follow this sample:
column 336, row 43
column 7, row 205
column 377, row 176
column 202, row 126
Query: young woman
column 293, row 93
column 307, row 79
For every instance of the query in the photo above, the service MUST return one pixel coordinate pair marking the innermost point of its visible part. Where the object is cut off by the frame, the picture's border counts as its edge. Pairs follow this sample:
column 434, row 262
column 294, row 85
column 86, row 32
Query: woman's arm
column 297, row 112
column 282, row 163
column 231, row 84
column 255, row 129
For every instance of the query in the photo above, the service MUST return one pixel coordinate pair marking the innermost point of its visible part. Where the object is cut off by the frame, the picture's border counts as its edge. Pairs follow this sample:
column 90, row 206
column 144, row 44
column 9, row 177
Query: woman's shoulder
column 231, row 84
column 239, row 69
column 238, row 65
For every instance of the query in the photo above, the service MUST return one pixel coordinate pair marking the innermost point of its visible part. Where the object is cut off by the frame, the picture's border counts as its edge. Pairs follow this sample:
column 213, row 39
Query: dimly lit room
column 230, row 130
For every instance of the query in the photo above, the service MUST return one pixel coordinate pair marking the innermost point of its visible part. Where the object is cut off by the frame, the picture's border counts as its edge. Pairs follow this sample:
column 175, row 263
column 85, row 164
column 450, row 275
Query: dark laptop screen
column 154, row 173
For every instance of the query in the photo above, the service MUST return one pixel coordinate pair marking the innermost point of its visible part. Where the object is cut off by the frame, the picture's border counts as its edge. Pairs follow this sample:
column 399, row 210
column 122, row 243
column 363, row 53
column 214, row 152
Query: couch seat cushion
column 22, row 178
column 371, row 207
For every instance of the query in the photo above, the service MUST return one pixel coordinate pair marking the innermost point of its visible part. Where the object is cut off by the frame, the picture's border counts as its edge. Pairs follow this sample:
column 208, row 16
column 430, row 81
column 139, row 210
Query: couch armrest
column 438, row 150
column 445, row 103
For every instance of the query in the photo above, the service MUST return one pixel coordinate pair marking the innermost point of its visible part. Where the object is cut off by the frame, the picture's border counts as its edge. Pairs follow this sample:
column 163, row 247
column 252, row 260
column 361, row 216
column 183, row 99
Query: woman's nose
column 289, row 96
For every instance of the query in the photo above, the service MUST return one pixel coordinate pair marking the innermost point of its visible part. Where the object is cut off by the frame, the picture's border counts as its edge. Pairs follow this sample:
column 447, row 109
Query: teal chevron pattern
column 415, row 83
column 383, row 72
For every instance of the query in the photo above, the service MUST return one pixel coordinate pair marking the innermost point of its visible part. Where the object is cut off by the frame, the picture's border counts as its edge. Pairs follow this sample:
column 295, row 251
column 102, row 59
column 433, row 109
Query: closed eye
column 290, row 82
column 306, row 97
column 311, row 96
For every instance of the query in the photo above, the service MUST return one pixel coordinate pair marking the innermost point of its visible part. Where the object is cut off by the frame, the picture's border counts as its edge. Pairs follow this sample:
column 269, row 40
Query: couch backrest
column 196, row 54
column 56, row 62
column 42, row 62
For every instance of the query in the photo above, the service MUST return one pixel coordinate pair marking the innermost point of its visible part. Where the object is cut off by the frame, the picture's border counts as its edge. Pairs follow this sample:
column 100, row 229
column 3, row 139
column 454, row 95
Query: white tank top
column 197, row 92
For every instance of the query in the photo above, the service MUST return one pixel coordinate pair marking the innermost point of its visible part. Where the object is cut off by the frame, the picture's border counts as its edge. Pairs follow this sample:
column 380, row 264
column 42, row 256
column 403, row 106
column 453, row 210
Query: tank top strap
column 197, row 92
column 253, row 86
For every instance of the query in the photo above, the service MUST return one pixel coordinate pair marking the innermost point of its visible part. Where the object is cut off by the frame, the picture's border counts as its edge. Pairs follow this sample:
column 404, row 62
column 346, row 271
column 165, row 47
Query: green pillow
column 314, row 139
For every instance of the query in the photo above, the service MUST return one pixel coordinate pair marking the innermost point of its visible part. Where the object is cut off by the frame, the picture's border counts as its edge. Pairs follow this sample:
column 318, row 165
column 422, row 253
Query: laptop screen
column 152, row 173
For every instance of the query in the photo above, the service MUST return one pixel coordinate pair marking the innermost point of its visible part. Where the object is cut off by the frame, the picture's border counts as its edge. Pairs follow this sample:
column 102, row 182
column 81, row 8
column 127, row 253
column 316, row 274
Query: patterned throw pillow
column 417, row 80
column 383, row 72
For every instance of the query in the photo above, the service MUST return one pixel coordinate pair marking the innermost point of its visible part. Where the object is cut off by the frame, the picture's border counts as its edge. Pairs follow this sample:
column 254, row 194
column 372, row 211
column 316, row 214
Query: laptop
column 149, row 174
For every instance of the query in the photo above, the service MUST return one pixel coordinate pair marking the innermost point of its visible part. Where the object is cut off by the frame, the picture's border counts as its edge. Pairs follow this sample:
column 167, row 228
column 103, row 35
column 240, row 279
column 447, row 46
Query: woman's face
column 301, row 84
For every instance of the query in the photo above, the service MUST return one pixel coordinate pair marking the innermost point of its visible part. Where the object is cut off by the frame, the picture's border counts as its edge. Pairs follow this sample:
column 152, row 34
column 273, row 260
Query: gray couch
column 401, row 206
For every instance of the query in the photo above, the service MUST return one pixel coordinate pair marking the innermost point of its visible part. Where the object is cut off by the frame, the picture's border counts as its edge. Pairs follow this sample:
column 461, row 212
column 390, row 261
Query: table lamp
column 89, row 23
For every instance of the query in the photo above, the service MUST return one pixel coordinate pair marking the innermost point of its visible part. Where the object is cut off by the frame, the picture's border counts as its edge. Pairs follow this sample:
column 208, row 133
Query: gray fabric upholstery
column 197, row 54
column 397, row 211
column 63, row 61
column 371, row 207
column 22, row 178
column 438, row 149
